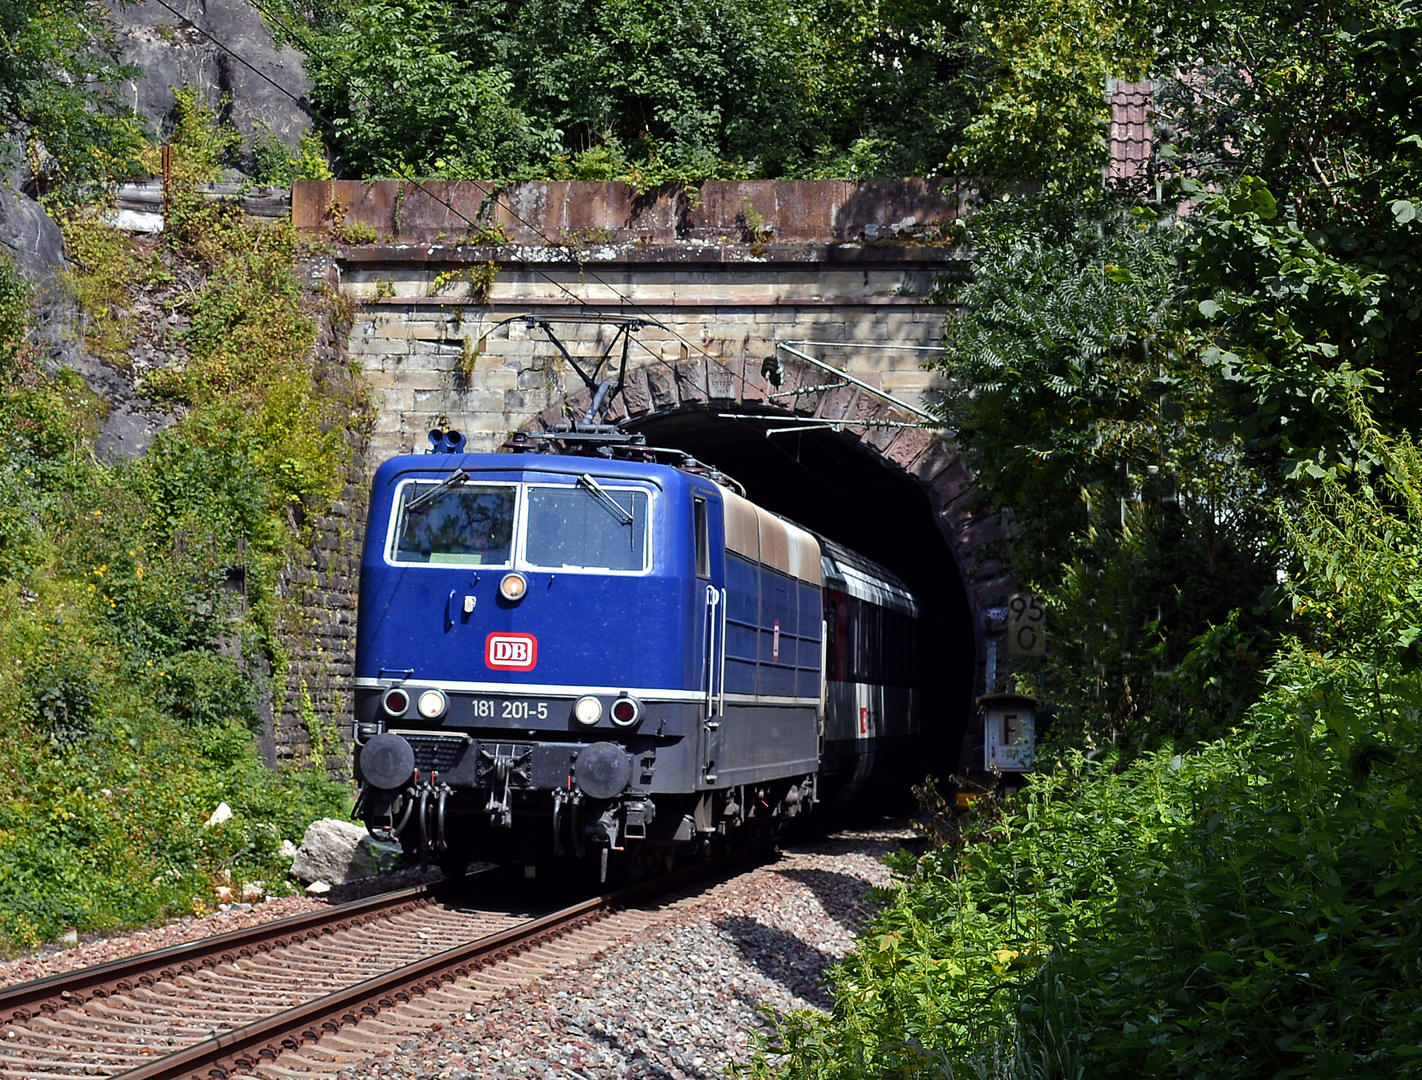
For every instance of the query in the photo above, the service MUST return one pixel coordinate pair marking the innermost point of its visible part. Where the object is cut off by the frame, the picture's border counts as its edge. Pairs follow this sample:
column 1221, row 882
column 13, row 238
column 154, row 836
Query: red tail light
column 626, row 711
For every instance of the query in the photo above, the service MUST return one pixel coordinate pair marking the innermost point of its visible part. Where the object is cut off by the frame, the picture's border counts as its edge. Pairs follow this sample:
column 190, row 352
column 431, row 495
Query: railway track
column 302, row 996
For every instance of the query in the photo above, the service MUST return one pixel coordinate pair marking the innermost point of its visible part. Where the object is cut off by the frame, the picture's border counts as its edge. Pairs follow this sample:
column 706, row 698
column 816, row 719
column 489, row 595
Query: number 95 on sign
column 1026, row 626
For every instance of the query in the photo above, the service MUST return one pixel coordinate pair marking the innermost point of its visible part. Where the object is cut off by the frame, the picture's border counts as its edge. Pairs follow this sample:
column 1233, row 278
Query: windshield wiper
column 598, row 492
column 451, row 481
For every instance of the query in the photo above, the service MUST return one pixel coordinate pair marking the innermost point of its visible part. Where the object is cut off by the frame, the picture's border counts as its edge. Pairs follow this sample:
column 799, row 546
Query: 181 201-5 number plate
column 514, row 709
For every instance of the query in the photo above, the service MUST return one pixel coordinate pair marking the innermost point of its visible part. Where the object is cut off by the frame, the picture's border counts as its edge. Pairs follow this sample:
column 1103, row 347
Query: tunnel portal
column 831, row 483
column 445, row 310
column 864, row 473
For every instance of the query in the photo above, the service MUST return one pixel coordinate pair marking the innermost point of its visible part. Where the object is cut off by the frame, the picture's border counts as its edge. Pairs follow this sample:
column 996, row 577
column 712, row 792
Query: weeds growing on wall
column 139, row 600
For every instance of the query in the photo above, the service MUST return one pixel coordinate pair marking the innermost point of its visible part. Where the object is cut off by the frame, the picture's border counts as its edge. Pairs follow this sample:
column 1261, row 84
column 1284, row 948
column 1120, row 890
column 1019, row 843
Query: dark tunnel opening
column 831, row 483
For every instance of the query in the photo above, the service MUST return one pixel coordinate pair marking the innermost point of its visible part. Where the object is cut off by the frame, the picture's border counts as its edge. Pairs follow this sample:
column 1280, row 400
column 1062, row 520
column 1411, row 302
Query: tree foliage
column 1039, row 111
column 59, row 91
column 400, row 98
column 1177, row 355
column 692, row 90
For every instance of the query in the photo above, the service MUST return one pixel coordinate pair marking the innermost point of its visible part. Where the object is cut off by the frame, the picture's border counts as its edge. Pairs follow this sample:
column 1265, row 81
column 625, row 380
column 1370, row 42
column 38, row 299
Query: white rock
column 338, row 851
column 287, row 850
column 316, row 888
column 253, row 891
column 221, row 814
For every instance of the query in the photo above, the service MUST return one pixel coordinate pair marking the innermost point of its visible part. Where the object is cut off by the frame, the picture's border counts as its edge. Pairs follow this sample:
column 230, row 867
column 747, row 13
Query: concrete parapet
column 585, row 218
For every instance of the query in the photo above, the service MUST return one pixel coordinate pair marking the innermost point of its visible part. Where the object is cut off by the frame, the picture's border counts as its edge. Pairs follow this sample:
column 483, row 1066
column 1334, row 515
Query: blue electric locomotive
column 563, row 654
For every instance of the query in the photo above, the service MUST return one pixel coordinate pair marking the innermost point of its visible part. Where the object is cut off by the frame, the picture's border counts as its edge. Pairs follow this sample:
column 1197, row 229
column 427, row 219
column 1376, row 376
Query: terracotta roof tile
column 1130, row 135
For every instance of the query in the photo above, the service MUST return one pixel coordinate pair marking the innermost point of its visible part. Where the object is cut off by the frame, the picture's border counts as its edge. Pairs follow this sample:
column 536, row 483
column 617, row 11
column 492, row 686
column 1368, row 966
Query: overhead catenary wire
column 622, row 299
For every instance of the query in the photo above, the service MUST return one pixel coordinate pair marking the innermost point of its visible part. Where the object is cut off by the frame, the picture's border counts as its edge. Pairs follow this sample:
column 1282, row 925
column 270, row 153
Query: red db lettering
column 511, row 652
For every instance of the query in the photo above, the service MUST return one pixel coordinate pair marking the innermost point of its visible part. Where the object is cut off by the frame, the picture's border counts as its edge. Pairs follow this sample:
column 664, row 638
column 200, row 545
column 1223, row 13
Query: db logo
column 512, row 652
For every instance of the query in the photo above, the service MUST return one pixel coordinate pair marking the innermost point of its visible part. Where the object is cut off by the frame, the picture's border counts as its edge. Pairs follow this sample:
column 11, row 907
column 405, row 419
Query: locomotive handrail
column 724, row 608
column 713, row 598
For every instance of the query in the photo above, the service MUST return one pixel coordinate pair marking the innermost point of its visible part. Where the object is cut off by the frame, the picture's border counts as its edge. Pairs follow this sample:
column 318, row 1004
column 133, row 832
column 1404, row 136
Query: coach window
column 586, row 527
column 703, row 538
column 453, row 523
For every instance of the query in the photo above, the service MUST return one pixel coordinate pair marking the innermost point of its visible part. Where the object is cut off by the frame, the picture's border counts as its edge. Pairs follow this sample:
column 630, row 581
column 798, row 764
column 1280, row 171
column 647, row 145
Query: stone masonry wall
column 431, row 351
column 312, row 714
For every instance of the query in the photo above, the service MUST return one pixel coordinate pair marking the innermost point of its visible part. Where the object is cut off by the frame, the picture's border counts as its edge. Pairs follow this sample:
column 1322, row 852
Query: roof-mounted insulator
column 519, row 443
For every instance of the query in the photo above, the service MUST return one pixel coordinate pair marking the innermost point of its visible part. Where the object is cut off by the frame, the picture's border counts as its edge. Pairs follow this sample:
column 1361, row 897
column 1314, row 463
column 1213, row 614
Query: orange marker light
column 513, row 587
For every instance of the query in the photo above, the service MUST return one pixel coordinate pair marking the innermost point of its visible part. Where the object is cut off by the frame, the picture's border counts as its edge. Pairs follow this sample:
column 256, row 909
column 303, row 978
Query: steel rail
column 54, row 992
column 241, row 1051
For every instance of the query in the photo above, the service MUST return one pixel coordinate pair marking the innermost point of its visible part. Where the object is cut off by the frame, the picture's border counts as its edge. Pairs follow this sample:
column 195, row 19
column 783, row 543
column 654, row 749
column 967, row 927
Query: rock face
column 33, row 241
column 221, row 47
column 31, row 238
column 337, row 851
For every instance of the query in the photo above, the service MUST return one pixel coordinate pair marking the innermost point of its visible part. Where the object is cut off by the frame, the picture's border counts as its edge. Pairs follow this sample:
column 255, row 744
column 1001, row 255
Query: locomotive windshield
column 441, row 523
column 601, row 529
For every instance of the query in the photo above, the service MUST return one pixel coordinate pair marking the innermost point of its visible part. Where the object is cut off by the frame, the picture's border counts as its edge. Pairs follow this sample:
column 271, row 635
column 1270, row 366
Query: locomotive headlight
column 588, row 710
column 432, row 704
column 626, row 711
column 395, row 701
column 512, row 587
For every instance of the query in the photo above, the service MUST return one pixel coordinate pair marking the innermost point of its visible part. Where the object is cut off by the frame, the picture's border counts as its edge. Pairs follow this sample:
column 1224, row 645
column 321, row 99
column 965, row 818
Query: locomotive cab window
column 703, row 539
column 453, row 522
column 586, row 526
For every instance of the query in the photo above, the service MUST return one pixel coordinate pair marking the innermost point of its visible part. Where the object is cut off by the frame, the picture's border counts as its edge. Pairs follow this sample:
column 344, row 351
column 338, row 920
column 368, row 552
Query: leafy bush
column 273, row 163
column 14, row 313
column 110, row 261
column 1248, row 907
column 135, row 666
column 937, row 979
column 127, row 726
column 1092, row 412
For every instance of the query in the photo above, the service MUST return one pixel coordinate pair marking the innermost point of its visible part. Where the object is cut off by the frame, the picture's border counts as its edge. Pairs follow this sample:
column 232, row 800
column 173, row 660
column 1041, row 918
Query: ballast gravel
column 685, row 999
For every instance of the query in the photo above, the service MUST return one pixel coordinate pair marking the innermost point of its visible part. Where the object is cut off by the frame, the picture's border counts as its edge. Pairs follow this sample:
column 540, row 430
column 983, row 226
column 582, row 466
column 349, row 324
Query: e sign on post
column 1026, row 626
